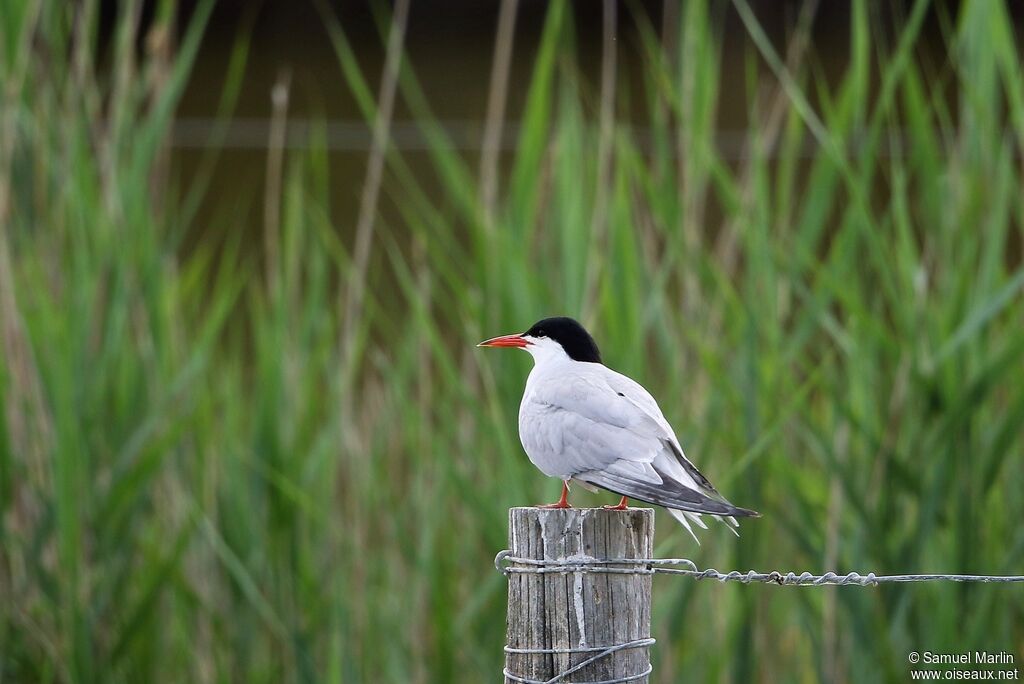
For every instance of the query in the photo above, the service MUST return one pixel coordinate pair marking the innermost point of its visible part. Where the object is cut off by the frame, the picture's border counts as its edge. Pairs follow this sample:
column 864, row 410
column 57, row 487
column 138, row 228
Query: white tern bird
column 581, row 421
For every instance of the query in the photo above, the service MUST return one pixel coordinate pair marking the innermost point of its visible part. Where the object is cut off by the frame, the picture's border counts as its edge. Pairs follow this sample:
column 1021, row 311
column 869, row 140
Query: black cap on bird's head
column 573, row 337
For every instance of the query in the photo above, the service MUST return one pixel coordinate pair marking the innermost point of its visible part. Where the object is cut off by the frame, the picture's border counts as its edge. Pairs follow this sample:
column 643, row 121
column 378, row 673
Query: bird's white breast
column 542, row 425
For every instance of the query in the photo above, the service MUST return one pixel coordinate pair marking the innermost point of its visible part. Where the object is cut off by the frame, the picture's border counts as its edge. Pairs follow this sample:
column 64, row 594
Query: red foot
column 562, row 502
column 621, row 506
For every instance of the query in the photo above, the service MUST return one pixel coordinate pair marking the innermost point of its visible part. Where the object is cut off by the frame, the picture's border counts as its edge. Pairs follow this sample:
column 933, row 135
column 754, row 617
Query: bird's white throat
column 544, row 350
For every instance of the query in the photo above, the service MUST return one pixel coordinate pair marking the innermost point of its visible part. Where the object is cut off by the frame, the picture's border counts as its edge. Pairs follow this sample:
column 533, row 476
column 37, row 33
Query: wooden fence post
column 557, row 620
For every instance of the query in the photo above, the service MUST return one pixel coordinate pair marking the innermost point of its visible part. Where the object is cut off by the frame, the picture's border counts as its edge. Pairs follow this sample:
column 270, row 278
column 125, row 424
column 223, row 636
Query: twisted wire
column 508, row 565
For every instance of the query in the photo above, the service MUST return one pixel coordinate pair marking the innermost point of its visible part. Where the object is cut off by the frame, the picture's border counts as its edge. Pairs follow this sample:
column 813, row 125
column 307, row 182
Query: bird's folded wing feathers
column 590, row 426
column 670, row 493
column 565, row 442
column 591, row 396
column 615, row 436
column 679, row 466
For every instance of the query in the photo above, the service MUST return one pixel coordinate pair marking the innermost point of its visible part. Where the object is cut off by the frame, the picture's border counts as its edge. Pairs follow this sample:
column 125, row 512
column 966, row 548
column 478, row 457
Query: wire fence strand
column 508, row 565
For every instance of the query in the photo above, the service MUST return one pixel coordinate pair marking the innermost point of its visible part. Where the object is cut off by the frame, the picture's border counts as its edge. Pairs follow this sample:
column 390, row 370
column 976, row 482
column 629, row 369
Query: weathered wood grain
column 574, row 609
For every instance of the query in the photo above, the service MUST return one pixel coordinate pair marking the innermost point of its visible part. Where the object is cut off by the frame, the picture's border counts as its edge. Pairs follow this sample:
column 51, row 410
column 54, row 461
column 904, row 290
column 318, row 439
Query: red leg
column 561, row 503
column 621, row 506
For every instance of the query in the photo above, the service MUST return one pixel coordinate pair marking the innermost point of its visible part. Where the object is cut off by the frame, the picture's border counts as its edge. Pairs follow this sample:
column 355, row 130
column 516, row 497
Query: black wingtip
column 669, row 494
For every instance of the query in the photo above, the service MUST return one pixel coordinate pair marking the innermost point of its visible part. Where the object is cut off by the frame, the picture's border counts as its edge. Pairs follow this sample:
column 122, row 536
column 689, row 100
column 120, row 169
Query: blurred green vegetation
column 214, row 468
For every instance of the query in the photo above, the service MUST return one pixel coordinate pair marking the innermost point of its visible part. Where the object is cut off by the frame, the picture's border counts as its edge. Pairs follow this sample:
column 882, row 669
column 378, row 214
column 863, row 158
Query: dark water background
column 450, row 46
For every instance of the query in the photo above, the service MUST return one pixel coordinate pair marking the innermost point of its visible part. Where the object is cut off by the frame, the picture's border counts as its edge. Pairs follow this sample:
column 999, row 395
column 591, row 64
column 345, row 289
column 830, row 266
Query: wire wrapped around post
column 575, row 626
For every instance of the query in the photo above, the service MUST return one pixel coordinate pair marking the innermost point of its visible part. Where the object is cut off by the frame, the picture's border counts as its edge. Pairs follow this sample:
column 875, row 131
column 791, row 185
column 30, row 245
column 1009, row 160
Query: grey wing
column 564, row 439
column 608, row 431
column 677, row 462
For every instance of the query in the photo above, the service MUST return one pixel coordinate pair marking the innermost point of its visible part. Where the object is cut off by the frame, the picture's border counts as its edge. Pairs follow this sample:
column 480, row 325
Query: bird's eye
column 541, row 333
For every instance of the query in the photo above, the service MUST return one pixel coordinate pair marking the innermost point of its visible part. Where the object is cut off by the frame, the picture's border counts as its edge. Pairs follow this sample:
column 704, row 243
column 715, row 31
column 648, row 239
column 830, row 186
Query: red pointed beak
column 505, row 341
